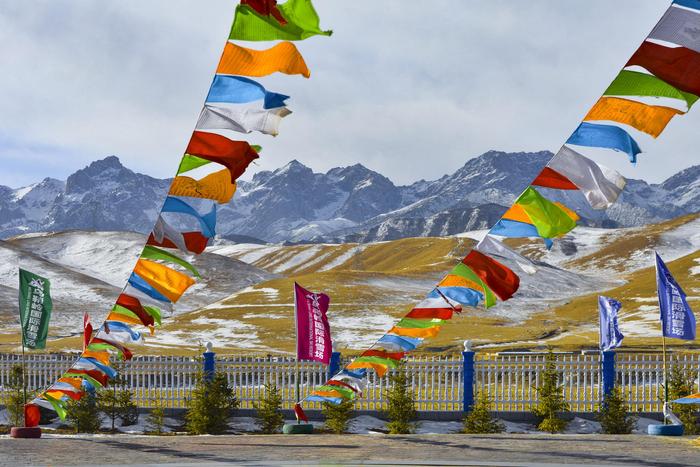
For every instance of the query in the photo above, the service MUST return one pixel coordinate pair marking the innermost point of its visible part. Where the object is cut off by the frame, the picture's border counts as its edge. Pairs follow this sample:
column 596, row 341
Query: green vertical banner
column 34, row 309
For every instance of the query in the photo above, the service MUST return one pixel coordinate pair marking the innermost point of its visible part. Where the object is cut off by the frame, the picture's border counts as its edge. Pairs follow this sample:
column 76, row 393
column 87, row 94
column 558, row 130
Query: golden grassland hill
column 372, row 285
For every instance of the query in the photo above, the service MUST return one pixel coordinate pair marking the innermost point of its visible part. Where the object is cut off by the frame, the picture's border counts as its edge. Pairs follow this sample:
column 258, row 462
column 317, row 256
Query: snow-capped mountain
column 294, row 203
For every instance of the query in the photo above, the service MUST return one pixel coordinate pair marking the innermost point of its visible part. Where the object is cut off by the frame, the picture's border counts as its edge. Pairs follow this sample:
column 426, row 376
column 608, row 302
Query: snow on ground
column 359, row 331
column 581, row 426
column 343, row 258
column 366, row 424
column 219, row 332
column 292, row 258
column 106, row 256
column 695, row 270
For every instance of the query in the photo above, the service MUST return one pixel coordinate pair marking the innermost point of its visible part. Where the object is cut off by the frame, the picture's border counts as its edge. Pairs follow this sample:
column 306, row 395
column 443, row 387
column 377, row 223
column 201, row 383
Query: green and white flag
column 34, row 309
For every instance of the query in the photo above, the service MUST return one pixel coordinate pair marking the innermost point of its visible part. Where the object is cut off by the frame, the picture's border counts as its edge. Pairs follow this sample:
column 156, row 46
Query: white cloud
column 412, row 89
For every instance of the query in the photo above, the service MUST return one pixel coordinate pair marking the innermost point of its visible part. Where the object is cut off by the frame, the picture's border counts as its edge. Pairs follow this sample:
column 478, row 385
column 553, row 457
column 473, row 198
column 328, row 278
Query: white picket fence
column 510, row 380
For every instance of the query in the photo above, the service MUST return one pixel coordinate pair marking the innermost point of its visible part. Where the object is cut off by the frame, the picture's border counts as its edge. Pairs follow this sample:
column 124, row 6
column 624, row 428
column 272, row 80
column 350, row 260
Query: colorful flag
column 239, row 90
column 313, row 331
column 677, row 319
column 243, row 118
column 678, row 66
column 293, row 20
column 35, row 307
column 87, row 331
column 610, row 335
column 601, row 186
column 605, row 136
column 651, row 119
column 280, row 58
column 679, row 26
column 635, row 83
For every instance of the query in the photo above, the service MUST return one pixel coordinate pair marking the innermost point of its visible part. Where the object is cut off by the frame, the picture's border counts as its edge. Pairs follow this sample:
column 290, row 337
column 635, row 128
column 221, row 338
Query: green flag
column 34, row 309
column 549, row 219
column 300, row 21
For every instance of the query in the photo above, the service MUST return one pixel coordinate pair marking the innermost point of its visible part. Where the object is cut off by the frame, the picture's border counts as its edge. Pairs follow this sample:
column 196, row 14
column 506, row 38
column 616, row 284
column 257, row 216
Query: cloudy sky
column 409, row 88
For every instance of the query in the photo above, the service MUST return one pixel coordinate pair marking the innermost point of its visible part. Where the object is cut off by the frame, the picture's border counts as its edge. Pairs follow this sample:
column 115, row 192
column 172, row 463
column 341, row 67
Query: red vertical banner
column 313, row 330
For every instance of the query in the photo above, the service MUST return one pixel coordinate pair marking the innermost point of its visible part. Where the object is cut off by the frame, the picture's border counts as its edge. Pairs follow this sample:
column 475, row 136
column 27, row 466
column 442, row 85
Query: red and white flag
column 313, row 330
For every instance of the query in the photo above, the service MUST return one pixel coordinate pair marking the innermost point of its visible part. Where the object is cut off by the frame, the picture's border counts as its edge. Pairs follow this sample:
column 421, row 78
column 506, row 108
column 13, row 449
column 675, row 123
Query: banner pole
column 663, row 337
column 24, row 360
column 296, row 364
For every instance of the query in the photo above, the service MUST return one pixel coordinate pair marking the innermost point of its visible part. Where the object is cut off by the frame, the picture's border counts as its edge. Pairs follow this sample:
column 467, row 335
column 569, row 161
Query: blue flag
column 610, row 335
column 677, row 319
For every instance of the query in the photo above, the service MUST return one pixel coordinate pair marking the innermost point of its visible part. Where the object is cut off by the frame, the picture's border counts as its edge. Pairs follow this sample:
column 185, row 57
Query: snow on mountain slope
column 87, row 270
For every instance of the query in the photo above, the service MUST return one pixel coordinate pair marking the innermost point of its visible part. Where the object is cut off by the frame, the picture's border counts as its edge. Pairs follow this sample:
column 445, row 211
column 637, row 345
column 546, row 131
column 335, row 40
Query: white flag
column 601, row 186
column 243, row 118
column 493, row 247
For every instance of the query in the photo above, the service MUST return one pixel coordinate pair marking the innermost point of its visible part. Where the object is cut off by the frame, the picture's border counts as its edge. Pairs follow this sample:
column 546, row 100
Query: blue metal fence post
column 608, row 372
column 209, row 363
column 468, row 376
column 334, row 364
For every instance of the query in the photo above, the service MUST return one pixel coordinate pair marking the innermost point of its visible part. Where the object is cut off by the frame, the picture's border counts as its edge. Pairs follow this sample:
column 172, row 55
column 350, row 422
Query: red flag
column 234, row 155
column 266, row 8
column 299, row 413
column 32, row 416
column 87, row 331
column 549, row 178
column 678, row 66
column 313, row 330
column 496, row 276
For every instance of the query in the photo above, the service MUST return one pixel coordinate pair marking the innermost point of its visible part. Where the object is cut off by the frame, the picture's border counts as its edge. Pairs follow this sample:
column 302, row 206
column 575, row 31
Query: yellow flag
column 216, row 186
column 651, row 119
column 283, row 58
column 167, row 281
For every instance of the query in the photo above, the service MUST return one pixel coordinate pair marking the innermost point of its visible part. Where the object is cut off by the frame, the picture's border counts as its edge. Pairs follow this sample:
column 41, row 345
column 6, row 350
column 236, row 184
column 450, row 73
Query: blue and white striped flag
column 610, row 335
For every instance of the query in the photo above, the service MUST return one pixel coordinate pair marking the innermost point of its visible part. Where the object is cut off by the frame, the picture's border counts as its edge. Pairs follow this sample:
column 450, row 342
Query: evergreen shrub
column 269, row 410
column 479, row 419
column 338, row 415
column 402, row 411
column 551, row 403
column 613, row 414
column 210, row 406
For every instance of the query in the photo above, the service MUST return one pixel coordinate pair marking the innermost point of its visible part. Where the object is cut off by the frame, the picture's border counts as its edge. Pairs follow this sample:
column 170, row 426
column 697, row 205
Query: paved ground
column 514, row 450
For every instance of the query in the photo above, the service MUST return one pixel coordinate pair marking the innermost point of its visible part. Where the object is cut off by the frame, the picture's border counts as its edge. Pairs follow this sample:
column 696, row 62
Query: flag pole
column 296, row 364
column 663, row 337
column 24, row 362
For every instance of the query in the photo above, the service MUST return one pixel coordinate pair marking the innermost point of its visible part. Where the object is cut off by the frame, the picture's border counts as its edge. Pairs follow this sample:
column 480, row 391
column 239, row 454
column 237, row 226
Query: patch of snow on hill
column 695, row 270
column 343, row 258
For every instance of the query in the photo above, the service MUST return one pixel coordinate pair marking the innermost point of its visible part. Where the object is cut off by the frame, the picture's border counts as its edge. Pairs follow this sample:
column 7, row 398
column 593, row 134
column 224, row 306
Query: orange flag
column 283, row 58
column 651, row 119
column 167, row 281
column 216, row 186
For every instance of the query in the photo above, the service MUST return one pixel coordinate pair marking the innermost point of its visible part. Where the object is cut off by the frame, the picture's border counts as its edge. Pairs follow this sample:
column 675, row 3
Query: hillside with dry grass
column 371, row 285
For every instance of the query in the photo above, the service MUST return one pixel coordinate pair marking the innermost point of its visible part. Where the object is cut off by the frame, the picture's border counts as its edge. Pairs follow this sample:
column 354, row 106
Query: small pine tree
column 338, row 415
column 107, row 404
column 550, row 398
column 269, row 410
column 680, row 384
column 84, row 415
column 402, row 410
column 117, row 402
column 156, row 417
column 14, row 399
column 210, row 406
column 479, row 419
column 613, row 414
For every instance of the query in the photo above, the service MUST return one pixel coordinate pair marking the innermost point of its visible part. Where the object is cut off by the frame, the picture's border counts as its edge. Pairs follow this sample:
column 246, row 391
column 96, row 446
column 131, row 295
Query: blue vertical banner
column 677, row 319
column 610, row 335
